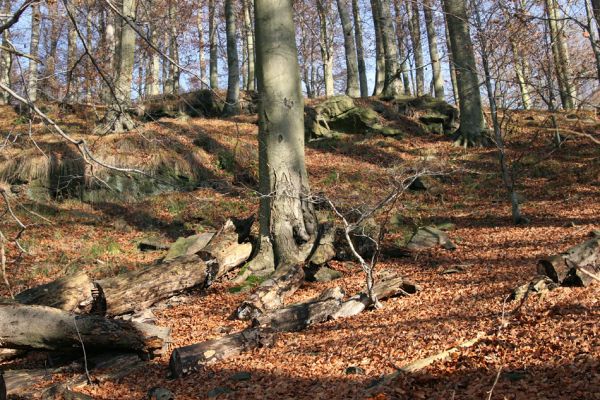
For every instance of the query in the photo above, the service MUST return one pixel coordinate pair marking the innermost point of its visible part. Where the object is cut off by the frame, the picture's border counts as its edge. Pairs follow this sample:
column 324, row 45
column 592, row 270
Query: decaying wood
column 10, row 354
column 224, row 251
column 271, row 294
column 577, row 266
column 71, row 293
column 389, row 285
column 299, row 316
column 137, row 290
column 194, row 357
column 105, row 367
column 41, row 327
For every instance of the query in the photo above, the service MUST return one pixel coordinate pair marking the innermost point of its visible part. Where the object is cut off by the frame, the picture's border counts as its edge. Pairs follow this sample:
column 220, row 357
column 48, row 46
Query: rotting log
column 389, row 285
column 71, row 293
column 300, row 316
column 137, row 290
column 187, row 359
column 578, row 266
column 47, row 328
column 270, row 295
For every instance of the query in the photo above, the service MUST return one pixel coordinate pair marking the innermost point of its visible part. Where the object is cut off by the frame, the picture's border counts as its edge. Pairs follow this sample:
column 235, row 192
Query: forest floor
column 548, row 349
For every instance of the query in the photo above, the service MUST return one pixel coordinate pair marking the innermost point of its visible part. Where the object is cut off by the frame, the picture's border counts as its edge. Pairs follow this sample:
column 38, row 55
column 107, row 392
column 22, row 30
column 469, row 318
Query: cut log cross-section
column 580, row 265
column 47, row 328
column 194, row 357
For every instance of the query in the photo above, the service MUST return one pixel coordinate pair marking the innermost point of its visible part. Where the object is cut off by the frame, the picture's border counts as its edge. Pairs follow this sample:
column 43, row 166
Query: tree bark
column 5, row 58
column 232, row 106
column 55, row 329
column 36, row 22
column 213, row 50
column 391, row 83
column 401, row 52
column 360, row 52
column 187, row 359
column 432, row 39
column 200, row 28
column 326, row 49
column 472, row 124
column 249, row 32
column 596, row 10
column 451, row 67
column 379, row 50
column 352, row 85
column 580, row 265
column 414, row 21
column 72, row 293
column 594, row 35
column 560, row 54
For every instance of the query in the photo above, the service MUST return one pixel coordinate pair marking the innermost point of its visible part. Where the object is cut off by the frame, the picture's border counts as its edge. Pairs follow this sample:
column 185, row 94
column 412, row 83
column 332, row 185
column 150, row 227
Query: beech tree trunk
column 560, row 53
column 36, row 22
column 55, row 329
column 200, row 28
column 391, row 83
column 434, row 55
column 594, row 35
column 472, row 124
column 213, row 50
column 249, row 32
column 352, row 85
column 401, row 48
column 232, row 105
column 326, row 49
column 5, row 58
column 414, row 21
column 360, row 52
column 379, row 50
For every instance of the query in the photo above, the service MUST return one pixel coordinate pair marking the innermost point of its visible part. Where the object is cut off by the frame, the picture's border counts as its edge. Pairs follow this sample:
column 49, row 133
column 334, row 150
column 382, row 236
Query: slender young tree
column 5, row 57
column 352, row 85
column 434, row 56
column 414, row 20
column 213, row 50
column 249, row 34
column 36, row 21
column 596, row 12
column 472, row 124
column 451, row 67
column 360, row 52
column 379, row 50
column 402, row 47
column 200, row 29
column 232, row 104
column 326, row 47
column 286, row 215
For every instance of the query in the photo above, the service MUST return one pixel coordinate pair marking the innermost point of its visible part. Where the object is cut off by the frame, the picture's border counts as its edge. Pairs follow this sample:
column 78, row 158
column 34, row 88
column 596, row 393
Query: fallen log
column 330, row 305
column 271, row 294
column 41, row 327
column 138, row 290
column 187, row 359
column 578, row 266
column 71, row 293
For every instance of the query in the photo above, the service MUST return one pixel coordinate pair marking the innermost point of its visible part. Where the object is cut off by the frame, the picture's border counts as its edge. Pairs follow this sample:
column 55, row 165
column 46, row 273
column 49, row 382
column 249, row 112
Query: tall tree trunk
column 5, row 58
column 432, row 39
column 200, row 27
column 70, row 92
column 401, row 53
column 153, row 74
column 379, row 51
column 249, row 32
column 52, row 86
column 560, row 54
column 472, row 123
column 414, row 21
column 596, row 10
column 391, row 83
column 174, row 71
column 326, row 49
column 360, row 52
column 36, row 21
column 213, row 50
column 451, row 64
column 232, row 106
column 286, row 216
column 594, row 36
column 352, row 85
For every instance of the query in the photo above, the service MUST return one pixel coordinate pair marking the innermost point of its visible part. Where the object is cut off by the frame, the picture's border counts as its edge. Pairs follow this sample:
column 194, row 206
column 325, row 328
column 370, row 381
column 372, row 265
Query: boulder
column 429, row 237
column 186, row 246
column 435, row 116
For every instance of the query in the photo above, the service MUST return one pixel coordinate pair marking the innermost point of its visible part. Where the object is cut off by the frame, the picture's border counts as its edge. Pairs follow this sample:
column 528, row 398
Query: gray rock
column 322, row 274
column 158, row 393
column 429, row 237
column 185, row 246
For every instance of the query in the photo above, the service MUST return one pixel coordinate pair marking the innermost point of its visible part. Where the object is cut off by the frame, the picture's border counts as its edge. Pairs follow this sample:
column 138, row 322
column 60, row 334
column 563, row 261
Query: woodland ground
column 548, row 350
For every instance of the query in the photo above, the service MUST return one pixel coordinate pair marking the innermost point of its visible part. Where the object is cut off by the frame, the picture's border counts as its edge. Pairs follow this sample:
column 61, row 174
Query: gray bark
column 326, row 49
column 174, row 72
column 36, row 21
column 360, row 52
column 560, row 54
column 432, row 39
column 5, row 59
column 391, row 83
column 213, row 51
column 200, row 27
column 451, row 64
column 153, row 77
column 352, row 85
column 71, row 60
column 286, row 216
column 249, row 32
column 596, row 10
column 414, row 21
column 594, row 36
column 232, row 106
column 472, row 123
column 379, row 51
column 401, row 48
